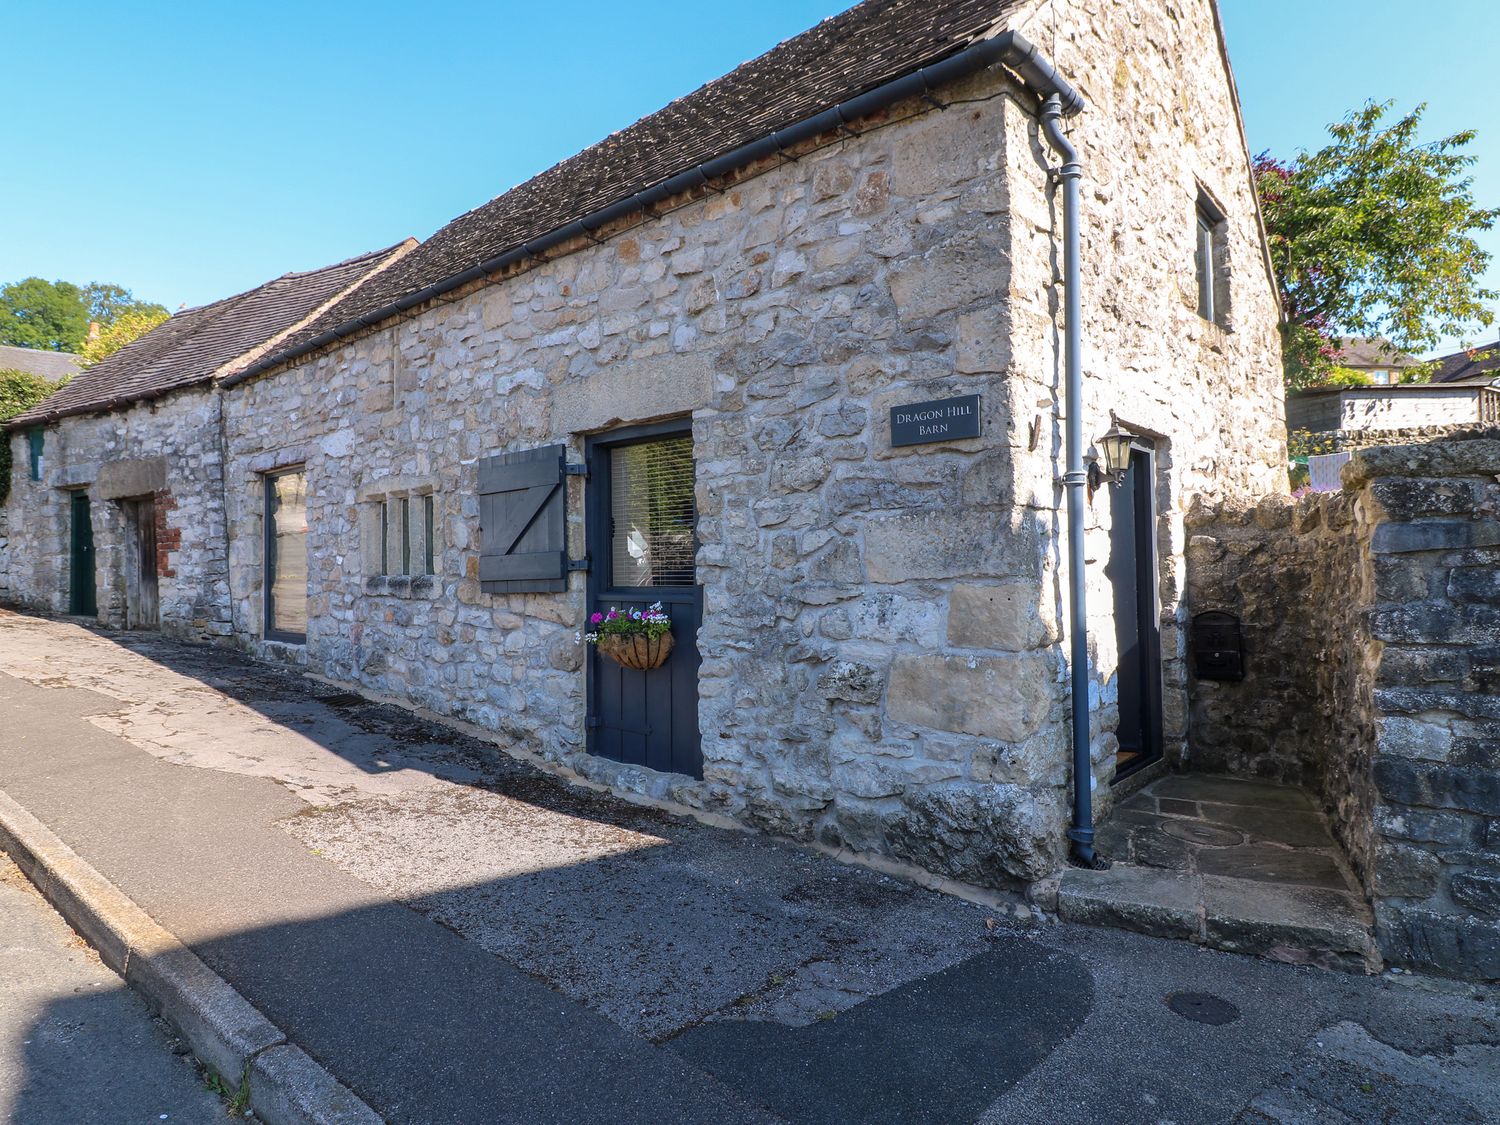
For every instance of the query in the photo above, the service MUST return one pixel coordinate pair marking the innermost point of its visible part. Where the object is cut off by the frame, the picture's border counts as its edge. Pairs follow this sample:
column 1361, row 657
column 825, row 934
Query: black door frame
column 269, row 556
column 600, row 587
column 83, row 597
column 1141, row 481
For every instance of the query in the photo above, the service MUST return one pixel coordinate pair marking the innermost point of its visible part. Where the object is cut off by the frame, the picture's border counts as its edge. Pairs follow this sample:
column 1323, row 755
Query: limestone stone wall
column 1299, row 578
column 882, row 640
column 1160, row 132
column 1373, row 635
column 168, row 449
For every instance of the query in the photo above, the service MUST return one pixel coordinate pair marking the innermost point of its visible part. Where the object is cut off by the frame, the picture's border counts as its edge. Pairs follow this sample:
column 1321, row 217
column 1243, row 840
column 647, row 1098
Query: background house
column 1464, row 389
column 1403, row 406
column 34, row 361
column 1375, row 358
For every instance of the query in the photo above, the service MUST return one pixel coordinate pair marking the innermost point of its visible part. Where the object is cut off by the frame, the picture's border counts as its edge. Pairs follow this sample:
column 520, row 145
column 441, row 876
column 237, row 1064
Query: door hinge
column 576, row 470
column 594, row 721
column 578, row 564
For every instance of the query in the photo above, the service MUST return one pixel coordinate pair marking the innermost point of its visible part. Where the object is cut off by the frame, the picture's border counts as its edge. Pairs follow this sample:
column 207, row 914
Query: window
column 385, row 540
column 652, row 513
column 34, row 442
column 399, row 533
column 405, row 503
column 1210, row 262
column 286, row 555
column 429, row 530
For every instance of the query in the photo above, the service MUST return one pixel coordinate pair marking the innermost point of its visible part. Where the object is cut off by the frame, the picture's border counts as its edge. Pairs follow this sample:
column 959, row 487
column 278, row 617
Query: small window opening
column 385, row 540
column 35, row 441
column 1210, row 262
column 429, row 525
column 405, row 535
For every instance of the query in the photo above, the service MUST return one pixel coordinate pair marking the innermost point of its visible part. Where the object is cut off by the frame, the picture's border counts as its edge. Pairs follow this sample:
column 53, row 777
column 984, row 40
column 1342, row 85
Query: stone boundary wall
column 1372, row 636
column 1295, row 575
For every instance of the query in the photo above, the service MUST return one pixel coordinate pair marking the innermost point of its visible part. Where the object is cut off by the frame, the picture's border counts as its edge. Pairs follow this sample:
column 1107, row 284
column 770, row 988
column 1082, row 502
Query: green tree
column 19, row 390
column 109, row 304
column 55, row 315
column 1373, row 235
column 127, row 328
column 50, row 315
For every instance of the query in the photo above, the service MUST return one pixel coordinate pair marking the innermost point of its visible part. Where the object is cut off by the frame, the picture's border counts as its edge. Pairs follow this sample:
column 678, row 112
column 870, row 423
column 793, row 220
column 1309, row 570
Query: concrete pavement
column 460, row 938
column 76, row 1046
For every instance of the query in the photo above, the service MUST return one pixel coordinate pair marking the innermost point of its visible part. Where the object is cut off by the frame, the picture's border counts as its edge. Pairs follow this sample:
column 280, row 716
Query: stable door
column 642, row 520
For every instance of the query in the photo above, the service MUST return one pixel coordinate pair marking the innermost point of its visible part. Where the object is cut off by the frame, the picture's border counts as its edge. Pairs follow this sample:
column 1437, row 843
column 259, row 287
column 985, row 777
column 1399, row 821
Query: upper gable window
column 1211, row 262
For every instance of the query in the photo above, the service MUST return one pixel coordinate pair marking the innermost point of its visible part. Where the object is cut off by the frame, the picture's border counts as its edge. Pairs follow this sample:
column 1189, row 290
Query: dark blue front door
column 82, row 597
column 1132, row 570
column 642, row 523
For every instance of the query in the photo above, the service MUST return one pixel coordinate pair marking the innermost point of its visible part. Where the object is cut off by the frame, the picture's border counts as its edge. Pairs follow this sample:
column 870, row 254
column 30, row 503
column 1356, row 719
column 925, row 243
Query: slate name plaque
column 943, row 420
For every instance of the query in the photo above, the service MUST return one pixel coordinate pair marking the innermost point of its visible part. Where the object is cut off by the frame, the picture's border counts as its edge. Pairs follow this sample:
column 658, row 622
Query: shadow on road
column 527, row 950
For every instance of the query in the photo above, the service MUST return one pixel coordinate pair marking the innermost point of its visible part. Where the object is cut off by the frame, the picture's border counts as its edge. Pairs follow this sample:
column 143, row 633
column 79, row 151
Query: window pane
column 385, row 538
column 286, row 552
column 429, row 523
column 1204, row 263
column 405, row 535
column 652, row 513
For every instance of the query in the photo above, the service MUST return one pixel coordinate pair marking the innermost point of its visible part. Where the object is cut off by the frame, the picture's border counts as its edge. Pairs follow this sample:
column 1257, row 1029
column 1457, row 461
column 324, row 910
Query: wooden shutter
column 523, row 545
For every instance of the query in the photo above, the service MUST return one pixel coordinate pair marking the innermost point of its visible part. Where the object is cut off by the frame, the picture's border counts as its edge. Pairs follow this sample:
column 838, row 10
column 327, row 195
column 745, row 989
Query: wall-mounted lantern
column 1115, row 446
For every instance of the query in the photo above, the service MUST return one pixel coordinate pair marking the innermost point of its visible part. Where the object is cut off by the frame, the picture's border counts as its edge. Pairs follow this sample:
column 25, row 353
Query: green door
column 81, row 598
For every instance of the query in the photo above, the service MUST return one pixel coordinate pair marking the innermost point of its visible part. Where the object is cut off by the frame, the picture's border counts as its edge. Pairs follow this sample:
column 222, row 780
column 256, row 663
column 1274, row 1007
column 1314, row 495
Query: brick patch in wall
column 168, row 539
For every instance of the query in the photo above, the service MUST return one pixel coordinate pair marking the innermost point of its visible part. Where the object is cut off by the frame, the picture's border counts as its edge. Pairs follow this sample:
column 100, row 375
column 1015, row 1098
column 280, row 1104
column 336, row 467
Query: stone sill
column 404, row 586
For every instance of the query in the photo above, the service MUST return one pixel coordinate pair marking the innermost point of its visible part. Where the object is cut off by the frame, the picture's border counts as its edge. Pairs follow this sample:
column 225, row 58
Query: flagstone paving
column 1239, row 865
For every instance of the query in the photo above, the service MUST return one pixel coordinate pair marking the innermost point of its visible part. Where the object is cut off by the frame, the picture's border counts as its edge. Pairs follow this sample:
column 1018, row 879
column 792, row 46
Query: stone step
column 1299, row 925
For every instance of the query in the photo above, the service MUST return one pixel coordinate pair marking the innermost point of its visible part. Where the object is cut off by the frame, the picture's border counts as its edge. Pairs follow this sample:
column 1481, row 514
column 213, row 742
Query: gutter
column 1009, row 48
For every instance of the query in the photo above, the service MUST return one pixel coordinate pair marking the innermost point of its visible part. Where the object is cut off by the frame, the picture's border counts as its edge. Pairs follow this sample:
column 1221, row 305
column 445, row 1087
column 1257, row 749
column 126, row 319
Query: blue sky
column 189, row 153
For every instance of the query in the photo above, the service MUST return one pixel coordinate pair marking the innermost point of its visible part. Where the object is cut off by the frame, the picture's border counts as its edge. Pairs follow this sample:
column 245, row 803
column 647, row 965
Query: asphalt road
column 76, row 1046
column 458, row 938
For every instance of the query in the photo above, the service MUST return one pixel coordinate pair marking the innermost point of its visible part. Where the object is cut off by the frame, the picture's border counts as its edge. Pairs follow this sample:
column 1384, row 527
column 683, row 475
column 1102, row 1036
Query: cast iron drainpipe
column 1074, row 479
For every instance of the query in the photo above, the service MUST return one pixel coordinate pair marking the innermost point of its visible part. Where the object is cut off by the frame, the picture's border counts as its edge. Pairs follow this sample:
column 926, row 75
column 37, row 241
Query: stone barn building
column 791, row 358
column 116, row 507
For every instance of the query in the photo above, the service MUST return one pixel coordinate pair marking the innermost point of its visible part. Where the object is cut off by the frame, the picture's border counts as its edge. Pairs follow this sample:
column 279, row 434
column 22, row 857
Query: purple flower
column 594, row 620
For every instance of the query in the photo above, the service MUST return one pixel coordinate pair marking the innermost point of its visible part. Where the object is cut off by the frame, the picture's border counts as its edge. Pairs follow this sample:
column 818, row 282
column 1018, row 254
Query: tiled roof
column 49, row 365
column 1367, row 351
column 210, row 341
column 867, row 46
column 1477, row 365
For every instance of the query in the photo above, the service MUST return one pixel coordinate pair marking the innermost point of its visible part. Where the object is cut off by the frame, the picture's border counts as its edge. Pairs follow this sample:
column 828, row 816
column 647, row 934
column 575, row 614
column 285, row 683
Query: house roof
column 1470, row 365
column 867, row 46
column 48, row 365
column 1369, row 351
column 211, row 341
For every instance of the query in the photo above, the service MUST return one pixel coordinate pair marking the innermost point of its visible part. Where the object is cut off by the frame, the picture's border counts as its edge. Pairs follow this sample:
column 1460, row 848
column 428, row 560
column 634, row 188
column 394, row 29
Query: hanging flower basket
column 639, row 652
column 639, row 639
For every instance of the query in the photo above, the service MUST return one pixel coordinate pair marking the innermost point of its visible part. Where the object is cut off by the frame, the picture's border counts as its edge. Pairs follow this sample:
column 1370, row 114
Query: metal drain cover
column 1202, row 1007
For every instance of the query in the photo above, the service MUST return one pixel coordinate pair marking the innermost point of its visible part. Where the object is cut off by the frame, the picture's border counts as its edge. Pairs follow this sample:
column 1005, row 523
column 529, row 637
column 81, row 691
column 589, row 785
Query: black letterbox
column 1218, row 648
